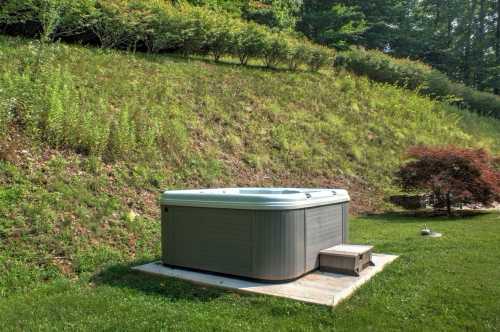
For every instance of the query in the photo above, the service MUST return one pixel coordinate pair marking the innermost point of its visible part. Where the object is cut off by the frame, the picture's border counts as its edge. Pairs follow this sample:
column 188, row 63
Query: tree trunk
column 437, row 19
column 448, row 204
column 497, row 44
column 467, row 65
column 449, row 25
column 480, row 47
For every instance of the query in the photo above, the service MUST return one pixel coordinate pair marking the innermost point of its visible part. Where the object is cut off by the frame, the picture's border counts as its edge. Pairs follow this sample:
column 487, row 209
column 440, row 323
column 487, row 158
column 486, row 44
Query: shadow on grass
column 424, row 215
column 121, row 276
column 225, row 62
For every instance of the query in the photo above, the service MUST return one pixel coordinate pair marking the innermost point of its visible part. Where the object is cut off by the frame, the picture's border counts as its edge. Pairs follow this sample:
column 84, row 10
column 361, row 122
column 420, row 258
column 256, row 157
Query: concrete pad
column 316, row 287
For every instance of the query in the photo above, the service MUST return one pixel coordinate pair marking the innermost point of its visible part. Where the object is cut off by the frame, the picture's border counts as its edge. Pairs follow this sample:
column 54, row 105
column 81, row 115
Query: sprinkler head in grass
column 426, row 230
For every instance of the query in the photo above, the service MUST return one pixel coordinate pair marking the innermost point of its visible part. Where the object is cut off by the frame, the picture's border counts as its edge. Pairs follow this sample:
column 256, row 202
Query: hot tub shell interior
column 267, row 234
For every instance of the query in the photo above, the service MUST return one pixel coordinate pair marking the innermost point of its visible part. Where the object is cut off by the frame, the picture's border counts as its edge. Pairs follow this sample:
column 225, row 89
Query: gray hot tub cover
column 255, row 198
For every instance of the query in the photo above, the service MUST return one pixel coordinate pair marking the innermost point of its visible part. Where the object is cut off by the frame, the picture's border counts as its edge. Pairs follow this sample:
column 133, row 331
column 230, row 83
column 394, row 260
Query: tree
column 278, row 14
column 334, row 25
column 480, row 45
column 458, row 37
column 496, row 88
column 384, row 19
column 451, row 175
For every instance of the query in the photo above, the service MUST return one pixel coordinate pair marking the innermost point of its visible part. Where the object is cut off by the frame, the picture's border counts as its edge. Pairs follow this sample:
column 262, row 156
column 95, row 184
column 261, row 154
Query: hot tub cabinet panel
column 270, row 244
column 278, row 245
column 208, row 239
column 325, row 227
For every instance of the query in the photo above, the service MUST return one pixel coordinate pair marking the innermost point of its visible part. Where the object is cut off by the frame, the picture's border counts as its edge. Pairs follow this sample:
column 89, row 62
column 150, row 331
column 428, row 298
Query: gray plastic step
column 346, row 258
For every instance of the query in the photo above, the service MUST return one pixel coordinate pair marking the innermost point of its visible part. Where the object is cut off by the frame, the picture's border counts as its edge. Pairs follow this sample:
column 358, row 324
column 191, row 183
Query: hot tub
column 272, row 234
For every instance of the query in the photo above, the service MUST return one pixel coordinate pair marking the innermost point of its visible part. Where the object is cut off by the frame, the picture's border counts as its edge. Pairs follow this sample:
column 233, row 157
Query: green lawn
column 450, row 283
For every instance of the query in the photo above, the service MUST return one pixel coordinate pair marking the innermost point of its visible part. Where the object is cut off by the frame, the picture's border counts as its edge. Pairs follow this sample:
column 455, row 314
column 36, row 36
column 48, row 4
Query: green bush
column 75, row 16
column 219, row 37
column 249, row 42
column 297, row 55
column 414, row 75
column 164, row 31
column 155, row 26
column 303, row 53
column 14, row 12
column 52, row 18
column 275, row 50
column 111, row 27
column 318, row 57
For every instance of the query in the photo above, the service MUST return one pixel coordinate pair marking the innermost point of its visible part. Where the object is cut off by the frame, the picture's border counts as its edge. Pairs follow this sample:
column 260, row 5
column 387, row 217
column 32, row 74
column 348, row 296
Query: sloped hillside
column 89, row 137
column 213, row 123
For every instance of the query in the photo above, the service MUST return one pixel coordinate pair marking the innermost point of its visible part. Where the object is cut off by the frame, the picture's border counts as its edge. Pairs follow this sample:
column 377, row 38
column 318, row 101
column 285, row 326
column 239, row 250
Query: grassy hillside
column 209, row 30
column 417, row 76
column 208, row 124
column 89, row 137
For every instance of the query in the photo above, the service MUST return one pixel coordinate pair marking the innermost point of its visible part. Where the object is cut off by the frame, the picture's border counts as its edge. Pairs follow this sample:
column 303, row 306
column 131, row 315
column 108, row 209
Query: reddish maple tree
column 452, row 175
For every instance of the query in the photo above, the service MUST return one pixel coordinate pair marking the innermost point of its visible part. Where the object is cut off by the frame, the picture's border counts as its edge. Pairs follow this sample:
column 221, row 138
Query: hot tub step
column 346, row 258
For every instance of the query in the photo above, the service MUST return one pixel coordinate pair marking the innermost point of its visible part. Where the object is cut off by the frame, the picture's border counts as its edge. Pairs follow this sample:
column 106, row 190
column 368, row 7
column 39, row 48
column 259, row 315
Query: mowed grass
column 442, row 284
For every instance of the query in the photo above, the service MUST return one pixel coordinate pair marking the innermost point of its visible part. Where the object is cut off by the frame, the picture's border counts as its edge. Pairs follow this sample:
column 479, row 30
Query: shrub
column 50, row 19
column 158, row 26
column 297, row 55
column 69, row 18
column 383, row 68
column 219, row 37
column 318, row 57
column 165, row 32
column 275, row 50
column 19, row 12
column 194, row 31
column 451, row 175
column 302, row 52
column 415, row 75
column 141, row 23
column 110, row 26
column 249, row 42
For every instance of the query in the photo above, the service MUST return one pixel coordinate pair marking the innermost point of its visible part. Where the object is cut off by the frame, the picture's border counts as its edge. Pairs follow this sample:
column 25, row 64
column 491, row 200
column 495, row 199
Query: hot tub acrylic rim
column 253, row 198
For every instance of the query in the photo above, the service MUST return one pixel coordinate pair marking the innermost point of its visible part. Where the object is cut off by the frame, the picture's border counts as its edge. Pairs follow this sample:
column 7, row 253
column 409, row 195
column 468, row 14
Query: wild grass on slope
column 65, row 216
column 217, row 123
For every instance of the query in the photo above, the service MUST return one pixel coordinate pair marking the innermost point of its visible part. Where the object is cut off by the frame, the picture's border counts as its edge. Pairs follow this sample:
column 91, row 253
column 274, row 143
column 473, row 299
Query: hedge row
column 413, row 75
column 160, row 26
